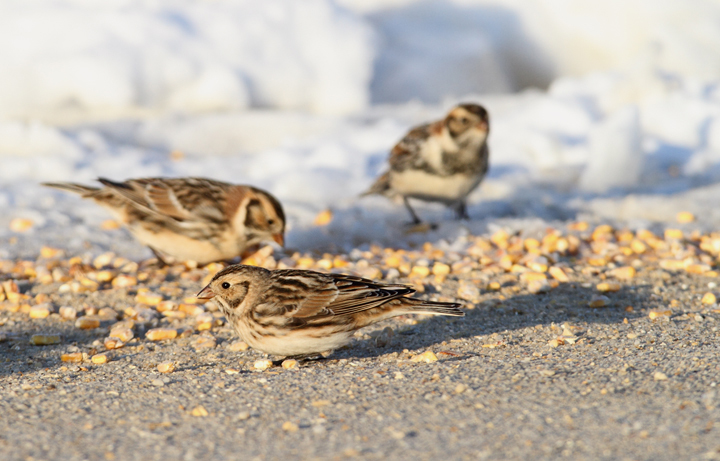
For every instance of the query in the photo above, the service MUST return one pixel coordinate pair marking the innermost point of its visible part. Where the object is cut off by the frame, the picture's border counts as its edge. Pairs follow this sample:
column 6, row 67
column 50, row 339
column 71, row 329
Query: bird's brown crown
column 465, row 117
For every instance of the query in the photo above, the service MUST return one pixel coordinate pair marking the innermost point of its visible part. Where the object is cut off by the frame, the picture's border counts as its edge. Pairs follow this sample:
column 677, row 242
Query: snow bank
column 609, row 143
column 131, row 57
column 432, row 49
column 122, row 57
column 36, row 151
column 573, row 151
column 616, row 156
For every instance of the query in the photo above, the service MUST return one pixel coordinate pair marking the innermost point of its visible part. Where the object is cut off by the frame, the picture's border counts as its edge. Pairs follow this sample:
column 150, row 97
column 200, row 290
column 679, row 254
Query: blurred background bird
column 194, row 219
column 441, row 161
column 299, row 312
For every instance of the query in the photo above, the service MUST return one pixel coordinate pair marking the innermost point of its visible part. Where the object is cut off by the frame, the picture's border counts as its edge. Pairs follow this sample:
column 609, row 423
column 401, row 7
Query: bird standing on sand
column 300, row 313
column 439, row 162
column 190, row 218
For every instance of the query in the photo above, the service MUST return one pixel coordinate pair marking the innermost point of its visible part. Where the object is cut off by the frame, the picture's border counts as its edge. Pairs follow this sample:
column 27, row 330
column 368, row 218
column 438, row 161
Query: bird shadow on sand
column 568, row 303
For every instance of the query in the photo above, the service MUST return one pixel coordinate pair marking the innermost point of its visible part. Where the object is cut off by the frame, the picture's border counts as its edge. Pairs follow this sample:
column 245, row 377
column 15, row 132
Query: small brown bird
column 300, row 313
column 439, row 162
column 190, row 218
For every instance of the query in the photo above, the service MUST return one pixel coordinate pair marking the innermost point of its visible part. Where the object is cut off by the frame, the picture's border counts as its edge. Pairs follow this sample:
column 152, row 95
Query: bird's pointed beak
column 206, row 293
column 279, row 238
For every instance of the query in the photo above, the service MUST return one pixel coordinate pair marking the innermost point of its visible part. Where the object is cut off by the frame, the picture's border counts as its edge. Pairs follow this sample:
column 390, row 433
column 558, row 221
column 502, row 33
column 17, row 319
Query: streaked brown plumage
column 299, row 312
column 442, row 161
column 190, row 218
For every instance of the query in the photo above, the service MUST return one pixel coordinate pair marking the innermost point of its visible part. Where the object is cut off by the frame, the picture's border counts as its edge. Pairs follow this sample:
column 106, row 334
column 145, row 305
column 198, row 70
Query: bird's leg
column 159, row 257
column 461, row 210
column 417, row 225
column 299, row 358
column 415, row 219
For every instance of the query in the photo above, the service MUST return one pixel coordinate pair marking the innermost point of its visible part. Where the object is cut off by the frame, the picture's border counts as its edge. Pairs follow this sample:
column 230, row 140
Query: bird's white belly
column 184, row 248
column 426, row 186
column 295, row 342
column 290, row 346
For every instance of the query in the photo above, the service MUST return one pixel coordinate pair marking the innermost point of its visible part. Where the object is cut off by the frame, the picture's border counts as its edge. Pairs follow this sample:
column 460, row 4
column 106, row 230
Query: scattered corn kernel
column 656, row 314
column 166, row 367
column 21, row 225
column 204, row 321
column 427, row 357
column 87, row 323
column 113, row 343
column 623, row 273
column 597, row 261
column 440, row 269
column 419, row 272
column 44, row 340
column 191, row 309
column 40, row 311
column 697, row 268
column 528, row 277
column 599, row 301
column 124, row 281
column 199, row 411
column 290, row 427
column 673, row 234
column 323, row 218
column 238, row 346
column 672, row 264
column 124, row 334
column 48, row 252
column 110, row 224
column 539, row 286
column 709, row 298
column 608, row 286
column 262, row 365
column 558, row 274
column 685, row 217
column 149, row 298
column 99, row 359
column 164, row 306
column 160, row 334
column 204, row 342
column 75, row 357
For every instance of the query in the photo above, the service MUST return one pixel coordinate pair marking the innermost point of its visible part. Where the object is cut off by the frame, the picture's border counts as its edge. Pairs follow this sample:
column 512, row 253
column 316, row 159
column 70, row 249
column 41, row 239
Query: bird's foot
column 414, row 228
column 300, row 358
column 161, row 260
column 154, row 263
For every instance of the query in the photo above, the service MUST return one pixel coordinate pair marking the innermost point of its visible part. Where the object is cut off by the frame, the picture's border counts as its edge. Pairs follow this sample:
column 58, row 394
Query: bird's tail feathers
column 71, row 187
column 436, row 308
column 380, row 187
column 114, row 184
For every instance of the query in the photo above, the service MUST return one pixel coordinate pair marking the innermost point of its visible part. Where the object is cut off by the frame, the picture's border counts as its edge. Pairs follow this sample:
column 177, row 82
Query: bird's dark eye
column 463, row 120
column 271, row 221
column 226, row 285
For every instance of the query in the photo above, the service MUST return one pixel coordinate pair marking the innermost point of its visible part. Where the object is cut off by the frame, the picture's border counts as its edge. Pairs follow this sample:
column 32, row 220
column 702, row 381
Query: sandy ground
column 618, row 385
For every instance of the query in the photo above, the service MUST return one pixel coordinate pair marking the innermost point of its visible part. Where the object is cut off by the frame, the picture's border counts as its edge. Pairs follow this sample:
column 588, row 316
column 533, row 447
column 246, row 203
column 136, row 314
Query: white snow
column 126, row 56
column 616, row 156
column 604, row 110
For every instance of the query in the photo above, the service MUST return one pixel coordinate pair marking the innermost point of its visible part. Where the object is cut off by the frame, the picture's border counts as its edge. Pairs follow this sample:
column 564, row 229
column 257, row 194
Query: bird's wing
column 299, row 294
column 163, row 199
column 186, row 200
column 308, row 295
column 356, row 294
column 408, row 152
